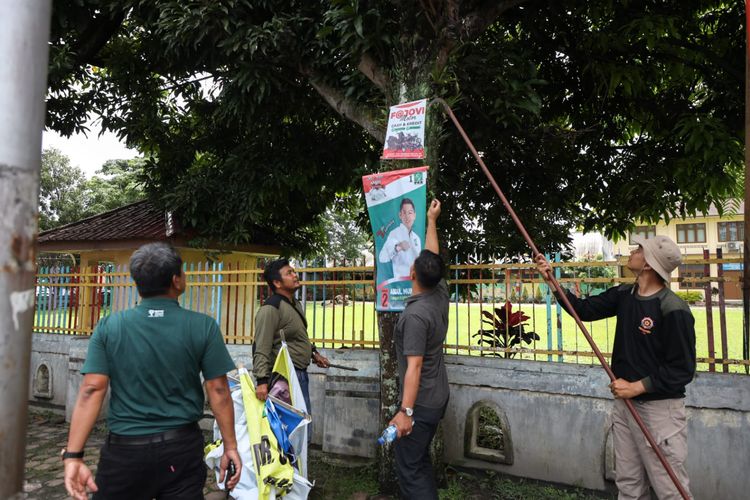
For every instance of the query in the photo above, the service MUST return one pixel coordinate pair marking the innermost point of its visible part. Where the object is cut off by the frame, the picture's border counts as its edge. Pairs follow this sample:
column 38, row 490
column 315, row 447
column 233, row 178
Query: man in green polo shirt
column 152, row 357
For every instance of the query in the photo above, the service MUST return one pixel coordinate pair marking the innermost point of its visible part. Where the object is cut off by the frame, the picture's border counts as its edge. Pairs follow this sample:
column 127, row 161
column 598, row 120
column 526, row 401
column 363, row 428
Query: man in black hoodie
column 653, row 359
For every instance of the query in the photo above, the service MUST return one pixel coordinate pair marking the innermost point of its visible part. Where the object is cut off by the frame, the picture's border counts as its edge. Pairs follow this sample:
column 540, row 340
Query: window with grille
column 691, row 233
column 731, row 231
column 644, row 231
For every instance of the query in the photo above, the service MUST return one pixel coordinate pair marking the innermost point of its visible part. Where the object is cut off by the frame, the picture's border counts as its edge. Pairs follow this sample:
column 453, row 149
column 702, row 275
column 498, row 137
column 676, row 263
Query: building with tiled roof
column 126, row 228
column 111, row 237
column 98, row 250
column 139, row 221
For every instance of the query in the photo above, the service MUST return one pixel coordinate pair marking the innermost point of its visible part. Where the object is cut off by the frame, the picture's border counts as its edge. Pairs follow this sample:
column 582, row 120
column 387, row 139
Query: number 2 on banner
column 384, row 296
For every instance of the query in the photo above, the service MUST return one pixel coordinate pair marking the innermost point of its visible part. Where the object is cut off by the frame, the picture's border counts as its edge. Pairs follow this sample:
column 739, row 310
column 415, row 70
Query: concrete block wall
column 557, row 414
column 347, row 403
column 50, row 354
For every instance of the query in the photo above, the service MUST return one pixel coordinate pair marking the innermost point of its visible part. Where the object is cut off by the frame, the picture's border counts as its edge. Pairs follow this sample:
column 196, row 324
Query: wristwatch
column 409, row 411
column 65, row 454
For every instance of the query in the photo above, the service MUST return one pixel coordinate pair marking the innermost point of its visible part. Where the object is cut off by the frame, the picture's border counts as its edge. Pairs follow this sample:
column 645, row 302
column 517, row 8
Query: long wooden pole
column 565, row 301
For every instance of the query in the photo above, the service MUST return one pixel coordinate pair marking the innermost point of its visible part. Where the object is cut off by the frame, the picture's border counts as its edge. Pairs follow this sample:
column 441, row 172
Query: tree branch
column 99, row 31
column 710, row 56
column 431, row 13
column 448, row 33
column 343, row 106
column 474, row 23
column 371, row 69
column 469, row 26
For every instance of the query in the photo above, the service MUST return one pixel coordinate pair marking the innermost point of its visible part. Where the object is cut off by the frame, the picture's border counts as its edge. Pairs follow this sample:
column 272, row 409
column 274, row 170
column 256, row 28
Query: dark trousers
column 163, row 470
column 304, row 384
column 413, row 466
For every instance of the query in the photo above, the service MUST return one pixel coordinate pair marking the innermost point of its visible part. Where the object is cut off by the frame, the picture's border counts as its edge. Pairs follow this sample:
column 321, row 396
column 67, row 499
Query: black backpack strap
column 275, row 301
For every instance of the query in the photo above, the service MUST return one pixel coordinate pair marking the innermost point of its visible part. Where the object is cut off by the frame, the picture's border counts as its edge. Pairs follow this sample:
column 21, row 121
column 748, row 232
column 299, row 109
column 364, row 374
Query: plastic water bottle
column 389, row 435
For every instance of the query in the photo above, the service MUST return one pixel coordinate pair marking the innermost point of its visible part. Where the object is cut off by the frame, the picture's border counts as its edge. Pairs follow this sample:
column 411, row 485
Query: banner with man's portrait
column 397, row 204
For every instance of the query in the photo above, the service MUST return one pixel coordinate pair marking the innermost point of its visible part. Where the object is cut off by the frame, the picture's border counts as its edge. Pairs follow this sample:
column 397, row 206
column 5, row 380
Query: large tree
column 61, row 190
column 343, row 237
column 590, row 114
column 116, row 183
column 66, row 195
column 256, row 114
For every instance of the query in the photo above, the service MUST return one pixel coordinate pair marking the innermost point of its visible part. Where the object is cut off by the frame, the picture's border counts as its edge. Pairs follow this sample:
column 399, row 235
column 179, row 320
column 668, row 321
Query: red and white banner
column 397, row 204
column 404, row 139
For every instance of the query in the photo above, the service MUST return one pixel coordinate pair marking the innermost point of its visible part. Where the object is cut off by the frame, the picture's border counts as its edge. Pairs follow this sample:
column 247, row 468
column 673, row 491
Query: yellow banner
column 272, row 469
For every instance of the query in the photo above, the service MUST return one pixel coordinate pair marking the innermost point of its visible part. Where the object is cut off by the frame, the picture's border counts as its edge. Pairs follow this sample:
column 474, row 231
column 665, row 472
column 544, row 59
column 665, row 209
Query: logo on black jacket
column 646, row 325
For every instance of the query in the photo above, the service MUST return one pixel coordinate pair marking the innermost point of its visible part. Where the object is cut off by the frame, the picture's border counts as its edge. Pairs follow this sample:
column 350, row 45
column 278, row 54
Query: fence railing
column 488, row 303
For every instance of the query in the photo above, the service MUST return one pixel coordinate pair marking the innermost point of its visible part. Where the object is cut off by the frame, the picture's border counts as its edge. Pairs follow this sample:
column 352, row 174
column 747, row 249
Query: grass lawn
column 356, row 321
column 339, row 325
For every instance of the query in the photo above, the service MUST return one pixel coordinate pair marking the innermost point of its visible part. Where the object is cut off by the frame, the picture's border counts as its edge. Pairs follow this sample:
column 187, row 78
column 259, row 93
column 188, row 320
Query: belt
column 160, row 437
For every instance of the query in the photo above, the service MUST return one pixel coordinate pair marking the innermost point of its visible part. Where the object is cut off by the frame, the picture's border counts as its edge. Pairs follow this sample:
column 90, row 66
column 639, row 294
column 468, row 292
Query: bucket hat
column 661, row 253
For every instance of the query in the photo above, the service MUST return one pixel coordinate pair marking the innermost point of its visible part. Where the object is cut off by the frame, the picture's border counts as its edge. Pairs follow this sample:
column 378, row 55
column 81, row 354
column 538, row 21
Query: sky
column 89, row 153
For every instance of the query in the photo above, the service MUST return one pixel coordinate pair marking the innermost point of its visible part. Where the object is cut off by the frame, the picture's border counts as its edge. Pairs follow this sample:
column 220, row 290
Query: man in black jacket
column 653, row 359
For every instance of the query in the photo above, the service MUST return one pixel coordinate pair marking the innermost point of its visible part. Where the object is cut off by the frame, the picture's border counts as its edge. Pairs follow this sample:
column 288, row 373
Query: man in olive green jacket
column 282, row 315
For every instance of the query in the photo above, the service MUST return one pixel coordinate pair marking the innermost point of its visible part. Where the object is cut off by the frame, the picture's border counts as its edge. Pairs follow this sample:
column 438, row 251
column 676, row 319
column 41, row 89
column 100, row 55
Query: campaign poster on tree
column 404, row 138
column 396, row 202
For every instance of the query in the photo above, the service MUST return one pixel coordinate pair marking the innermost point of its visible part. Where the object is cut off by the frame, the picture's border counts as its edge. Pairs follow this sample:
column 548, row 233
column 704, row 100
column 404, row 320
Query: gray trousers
column 636, row 465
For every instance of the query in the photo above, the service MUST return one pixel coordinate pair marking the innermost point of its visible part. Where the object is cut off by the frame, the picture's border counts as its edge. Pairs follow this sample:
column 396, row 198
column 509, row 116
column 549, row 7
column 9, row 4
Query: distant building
column 101, row 247
column 588, row 246
column 694, row 235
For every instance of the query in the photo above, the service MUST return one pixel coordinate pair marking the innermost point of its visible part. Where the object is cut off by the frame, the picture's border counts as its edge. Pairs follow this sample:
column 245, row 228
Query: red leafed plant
column 505, row 328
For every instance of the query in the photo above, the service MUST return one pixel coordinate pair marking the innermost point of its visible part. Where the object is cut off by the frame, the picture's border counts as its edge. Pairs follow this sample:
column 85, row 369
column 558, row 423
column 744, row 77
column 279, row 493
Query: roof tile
column 140, row 220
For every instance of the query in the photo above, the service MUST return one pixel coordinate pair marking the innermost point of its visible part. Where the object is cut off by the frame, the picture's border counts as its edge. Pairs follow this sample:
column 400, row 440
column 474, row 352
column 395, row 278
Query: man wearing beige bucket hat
column 653, row 359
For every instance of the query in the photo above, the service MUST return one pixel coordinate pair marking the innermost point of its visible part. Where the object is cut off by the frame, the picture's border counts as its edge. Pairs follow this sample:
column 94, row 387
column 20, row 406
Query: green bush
column 691, row 297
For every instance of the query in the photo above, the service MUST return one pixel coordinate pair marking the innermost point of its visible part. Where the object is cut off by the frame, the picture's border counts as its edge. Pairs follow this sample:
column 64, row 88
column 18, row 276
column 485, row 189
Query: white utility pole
column 24, row 38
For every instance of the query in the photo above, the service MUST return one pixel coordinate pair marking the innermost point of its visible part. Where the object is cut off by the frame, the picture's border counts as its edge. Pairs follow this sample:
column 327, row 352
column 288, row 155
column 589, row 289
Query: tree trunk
column 408, row 91
column 388, row 398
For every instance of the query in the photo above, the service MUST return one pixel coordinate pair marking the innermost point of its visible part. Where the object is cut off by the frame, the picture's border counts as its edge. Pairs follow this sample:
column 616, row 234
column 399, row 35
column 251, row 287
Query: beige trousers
column 636, row 465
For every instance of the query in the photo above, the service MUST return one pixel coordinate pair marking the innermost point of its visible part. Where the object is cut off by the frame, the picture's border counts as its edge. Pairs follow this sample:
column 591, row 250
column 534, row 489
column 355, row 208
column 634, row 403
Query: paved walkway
column 47, row 434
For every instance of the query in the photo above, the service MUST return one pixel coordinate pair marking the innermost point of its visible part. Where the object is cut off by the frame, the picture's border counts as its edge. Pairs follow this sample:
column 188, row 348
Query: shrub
column 505, row 328
column 691, row 297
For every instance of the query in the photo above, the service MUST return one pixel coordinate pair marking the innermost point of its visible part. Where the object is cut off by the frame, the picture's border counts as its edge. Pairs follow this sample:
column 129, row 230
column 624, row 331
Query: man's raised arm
column 431, row 242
